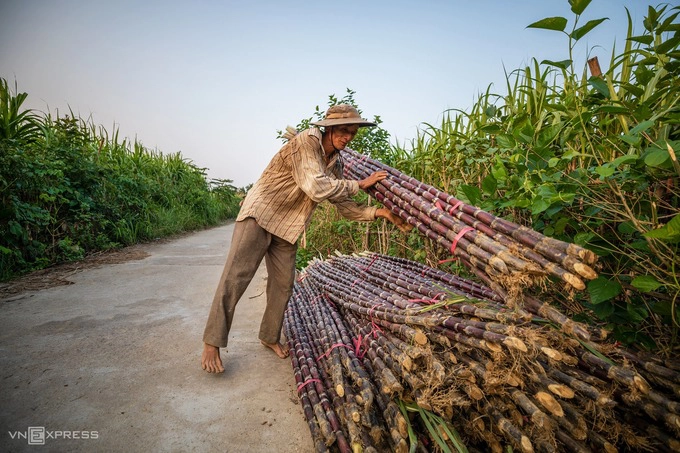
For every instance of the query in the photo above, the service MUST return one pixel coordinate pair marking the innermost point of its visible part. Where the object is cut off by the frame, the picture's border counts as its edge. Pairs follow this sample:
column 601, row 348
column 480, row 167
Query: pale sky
column 216, row 79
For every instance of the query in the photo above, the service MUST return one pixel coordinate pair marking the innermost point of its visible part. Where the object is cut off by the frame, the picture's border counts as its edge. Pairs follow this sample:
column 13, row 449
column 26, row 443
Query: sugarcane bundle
column 383, row 332
column 495, row 246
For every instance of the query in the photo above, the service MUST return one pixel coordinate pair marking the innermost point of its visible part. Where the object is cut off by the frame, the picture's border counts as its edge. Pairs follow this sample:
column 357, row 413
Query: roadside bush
column 67, row 189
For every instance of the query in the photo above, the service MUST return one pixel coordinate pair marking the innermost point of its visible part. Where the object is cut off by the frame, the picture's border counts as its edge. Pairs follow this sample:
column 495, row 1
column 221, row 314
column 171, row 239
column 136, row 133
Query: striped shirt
column 296, row 180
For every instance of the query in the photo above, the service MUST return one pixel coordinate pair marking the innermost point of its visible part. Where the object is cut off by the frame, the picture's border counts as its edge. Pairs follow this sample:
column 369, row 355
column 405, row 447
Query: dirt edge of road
column 58, row 274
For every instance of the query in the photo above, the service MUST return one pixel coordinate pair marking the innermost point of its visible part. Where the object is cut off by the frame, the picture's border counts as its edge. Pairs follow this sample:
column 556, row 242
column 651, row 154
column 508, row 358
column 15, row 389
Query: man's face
column 342, row 135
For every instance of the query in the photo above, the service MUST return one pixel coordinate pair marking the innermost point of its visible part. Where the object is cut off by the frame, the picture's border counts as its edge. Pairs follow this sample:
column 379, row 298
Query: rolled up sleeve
column 354, row 211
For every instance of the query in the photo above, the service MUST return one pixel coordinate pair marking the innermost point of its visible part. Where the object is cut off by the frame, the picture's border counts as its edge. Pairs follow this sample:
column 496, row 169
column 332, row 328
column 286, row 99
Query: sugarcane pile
column 376, row 339
column 502, row 250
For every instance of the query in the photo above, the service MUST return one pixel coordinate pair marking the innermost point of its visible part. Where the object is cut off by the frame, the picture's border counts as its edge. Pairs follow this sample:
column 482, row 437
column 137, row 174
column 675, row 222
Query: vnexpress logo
column 36, row 435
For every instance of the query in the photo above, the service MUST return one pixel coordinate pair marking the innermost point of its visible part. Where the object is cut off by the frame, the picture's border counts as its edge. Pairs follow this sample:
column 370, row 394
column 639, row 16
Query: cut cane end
column 562, row 391
column 585, row 271
column 574, row 281
column 552, row 353
column 641, row 384
column 526, row 445
column 515, row 343
column 420, row 338
column 550, row 403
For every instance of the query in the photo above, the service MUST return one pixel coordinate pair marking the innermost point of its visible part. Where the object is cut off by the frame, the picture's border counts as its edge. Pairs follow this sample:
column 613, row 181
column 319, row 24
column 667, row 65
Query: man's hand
column 385, row 213
column 371, row 180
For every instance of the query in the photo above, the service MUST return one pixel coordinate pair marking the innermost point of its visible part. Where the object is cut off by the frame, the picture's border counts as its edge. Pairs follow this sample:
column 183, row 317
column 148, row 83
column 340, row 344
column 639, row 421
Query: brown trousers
column 249, row 244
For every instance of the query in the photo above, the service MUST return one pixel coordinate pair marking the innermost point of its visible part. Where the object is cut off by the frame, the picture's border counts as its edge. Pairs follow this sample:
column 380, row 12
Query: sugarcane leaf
column 602, row 289
column 412, row 439
column 596, row 353
column 582, row 31
column 578, row 6
column 434, row 433
column 646, row 283
column 556, row 23
column 453, row 435
column 600, row 86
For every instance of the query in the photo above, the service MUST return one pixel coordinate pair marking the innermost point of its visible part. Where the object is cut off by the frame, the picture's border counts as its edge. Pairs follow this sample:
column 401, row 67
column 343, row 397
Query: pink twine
column 375, row 257
column 429, row 301
column 308, row 381
column 458, row 236
column 375, row 328
column 360, row 340
column 327, row 353
column 450, row 260
column 313, row 301
column 455, row 243
column 455, row 206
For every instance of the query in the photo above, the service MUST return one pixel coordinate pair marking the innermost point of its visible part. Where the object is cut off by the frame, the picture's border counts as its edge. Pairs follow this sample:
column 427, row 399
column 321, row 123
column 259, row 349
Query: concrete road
column 112, row 362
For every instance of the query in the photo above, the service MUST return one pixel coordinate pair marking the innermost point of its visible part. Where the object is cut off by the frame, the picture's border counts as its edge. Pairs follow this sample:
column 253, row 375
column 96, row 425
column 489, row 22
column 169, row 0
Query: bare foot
column 280, row 350
column 210, row 360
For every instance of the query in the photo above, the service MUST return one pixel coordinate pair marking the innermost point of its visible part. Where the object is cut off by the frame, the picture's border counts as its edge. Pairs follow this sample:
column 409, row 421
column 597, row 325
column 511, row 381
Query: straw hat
column 343, row 114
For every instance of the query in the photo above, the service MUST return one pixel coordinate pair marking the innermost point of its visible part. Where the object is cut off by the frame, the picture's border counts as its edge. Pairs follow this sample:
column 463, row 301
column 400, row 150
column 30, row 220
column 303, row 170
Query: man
column 276, row 210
